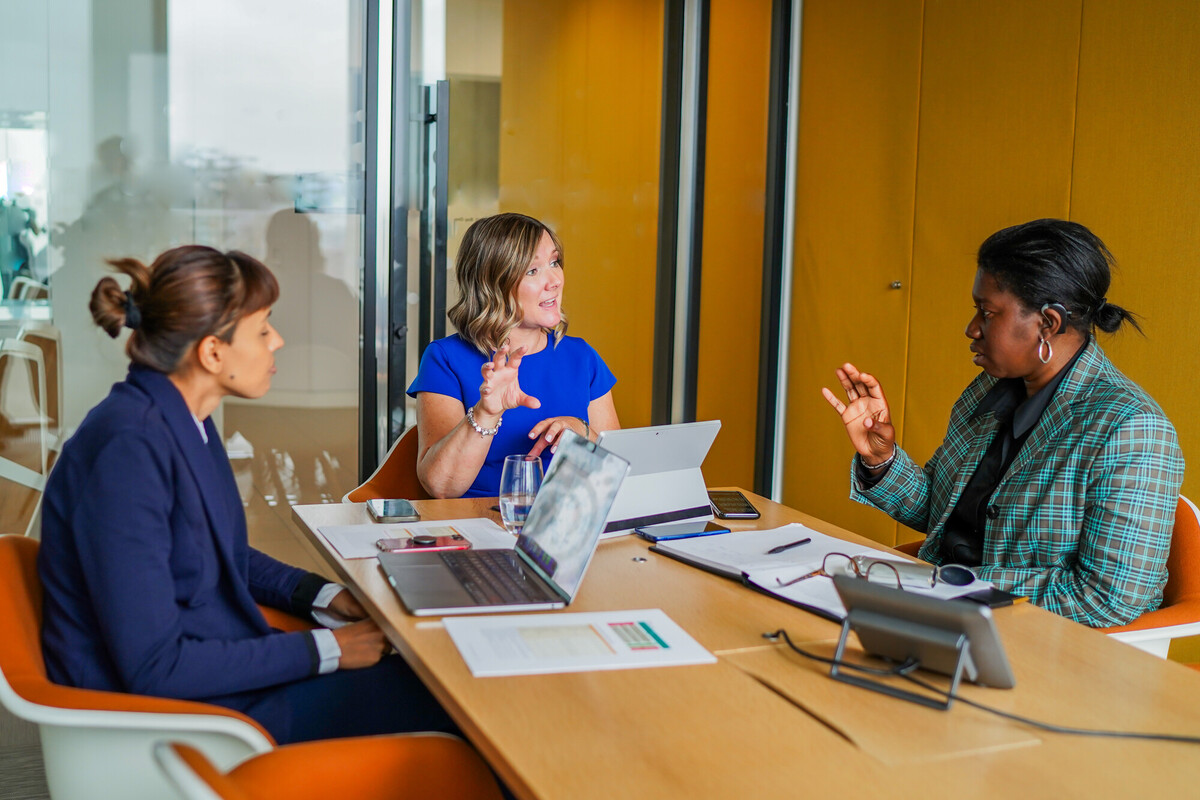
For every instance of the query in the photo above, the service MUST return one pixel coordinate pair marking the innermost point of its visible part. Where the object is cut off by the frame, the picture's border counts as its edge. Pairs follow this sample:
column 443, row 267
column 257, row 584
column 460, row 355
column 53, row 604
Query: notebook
column 552, row 554
column 664, row 483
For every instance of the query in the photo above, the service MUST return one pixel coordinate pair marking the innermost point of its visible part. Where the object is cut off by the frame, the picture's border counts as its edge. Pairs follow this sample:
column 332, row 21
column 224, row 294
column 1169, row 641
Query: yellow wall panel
column 1136, row 183
column 856, row 167
column 997, row 121
column 739, row 51
column 579, row 147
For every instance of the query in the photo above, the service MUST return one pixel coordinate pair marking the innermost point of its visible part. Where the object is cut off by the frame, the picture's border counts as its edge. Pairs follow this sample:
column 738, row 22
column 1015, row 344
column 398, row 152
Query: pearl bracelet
column 482, row 431
column 885, row 463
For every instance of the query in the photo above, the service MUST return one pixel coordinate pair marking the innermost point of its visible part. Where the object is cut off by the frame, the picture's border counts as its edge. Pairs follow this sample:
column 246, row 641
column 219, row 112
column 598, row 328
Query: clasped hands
column 501, row 391
column 865, row 414
column 362, row 642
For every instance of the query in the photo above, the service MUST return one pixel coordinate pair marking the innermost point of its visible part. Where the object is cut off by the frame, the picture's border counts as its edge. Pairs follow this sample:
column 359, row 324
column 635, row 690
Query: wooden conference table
column 763, row 722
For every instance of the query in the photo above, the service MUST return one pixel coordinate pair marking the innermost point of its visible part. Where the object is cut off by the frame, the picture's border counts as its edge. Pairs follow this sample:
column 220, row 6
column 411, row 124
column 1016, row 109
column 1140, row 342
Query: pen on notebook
column 784, row 547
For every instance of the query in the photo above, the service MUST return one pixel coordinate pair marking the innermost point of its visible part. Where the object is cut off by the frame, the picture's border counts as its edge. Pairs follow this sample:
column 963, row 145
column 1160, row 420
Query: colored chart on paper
column 637, row 635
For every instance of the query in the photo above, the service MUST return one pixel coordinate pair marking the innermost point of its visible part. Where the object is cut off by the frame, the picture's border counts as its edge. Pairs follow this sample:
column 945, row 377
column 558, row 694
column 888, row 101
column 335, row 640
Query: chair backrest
column 20, row 614
column 396, row 475
column 1183, row 565
column 48, row 339
column 23, row 288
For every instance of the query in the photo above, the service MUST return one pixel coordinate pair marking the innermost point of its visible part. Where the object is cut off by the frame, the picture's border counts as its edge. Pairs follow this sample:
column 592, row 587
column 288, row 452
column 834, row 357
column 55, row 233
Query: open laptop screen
column 568, row 514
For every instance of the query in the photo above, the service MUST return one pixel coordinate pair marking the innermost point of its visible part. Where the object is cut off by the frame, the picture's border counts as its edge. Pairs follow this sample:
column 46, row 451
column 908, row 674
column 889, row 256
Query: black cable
column 900, row 669
column 1046, row 726
column 905, row 670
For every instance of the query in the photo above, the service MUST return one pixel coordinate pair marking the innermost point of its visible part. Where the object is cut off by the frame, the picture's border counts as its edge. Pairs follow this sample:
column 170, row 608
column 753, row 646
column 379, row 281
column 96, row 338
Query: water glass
column 519, row 483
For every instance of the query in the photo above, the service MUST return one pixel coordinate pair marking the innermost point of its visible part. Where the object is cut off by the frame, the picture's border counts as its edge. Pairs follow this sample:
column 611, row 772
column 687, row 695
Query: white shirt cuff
column 328, row 650
column 322, row 601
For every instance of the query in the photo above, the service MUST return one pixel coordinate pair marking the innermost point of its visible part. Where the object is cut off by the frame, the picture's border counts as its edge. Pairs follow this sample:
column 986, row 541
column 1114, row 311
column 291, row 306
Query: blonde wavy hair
column 494, row 255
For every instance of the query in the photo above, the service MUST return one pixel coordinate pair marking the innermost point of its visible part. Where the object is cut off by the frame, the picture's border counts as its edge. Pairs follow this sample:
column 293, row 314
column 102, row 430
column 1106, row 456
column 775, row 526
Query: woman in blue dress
column 511, row 380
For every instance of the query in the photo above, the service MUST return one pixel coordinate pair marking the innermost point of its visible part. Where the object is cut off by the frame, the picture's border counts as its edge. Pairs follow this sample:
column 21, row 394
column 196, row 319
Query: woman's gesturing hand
column 865, row 414
column 500, row 389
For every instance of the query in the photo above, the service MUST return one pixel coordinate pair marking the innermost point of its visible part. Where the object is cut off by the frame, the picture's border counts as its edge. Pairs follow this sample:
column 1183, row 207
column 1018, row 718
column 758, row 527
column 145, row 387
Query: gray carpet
column 21, row 774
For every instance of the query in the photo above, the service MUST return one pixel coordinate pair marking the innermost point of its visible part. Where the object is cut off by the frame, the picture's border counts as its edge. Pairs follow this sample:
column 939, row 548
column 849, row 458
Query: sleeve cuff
column 328, row 651
column 866, row 478
column 305, row 594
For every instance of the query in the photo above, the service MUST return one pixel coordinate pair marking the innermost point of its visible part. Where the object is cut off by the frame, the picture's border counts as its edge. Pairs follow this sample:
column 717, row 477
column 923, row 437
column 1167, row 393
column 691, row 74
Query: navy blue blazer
column 149, row 583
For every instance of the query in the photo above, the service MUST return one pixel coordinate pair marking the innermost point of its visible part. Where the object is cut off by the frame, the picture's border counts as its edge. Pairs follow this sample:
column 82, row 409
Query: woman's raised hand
column 865, row 414
column 500, row 389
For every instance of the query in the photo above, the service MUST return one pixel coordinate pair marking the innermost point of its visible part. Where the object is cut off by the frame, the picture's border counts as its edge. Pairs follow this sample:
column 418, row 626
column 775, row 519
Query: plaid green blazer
column 1085, row 512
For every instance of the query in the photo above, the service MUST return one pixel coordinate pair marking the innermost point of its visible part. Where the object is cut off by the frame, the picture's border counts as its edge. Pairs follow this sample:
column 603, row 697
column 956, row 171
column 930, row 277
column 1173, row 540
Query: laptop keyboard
column 492, row 577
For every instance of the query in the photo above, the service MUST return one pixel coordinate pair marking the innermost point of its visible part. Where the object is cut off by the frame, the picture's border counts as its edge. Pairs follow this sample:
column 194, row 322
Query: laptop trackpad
column 429, row 585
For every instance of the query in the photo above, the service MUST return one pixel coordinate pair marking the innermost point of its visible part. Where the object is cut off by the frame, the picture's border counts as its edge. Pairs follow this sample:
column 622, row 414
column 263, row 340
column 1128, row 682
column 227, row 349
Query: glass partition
column 131, row 126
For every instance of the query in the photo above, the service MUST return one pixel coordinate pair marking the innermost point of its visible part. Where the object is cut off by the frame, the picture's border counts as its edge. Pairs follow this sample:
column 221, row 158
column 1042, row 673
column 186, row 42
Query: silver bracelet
column 480, row 429
column 887, row 462
column 587, row 428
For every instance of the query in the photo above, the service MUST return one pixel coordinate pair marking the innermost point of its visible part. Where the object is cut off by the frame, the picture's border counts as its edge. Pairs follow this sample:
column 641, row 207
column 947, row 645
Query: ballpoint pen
column 783, row 547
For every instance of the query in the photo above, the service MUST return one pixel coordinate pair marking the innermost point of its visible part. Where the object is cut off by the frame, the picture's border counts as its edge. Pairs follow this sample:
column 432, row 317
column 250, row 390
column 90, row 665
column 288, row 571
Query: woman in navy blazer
column 150, row 585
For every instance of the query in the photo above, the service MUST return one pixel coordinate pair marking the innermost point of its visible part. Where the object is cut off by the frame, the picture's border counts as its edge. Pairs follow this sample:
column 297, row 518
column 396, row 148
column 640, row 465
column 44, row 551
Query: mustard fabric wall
column 860, row 69
column 739, row 72
column 1135, row 180
column 579, row 146
column 994, row 149
column 1084, row 109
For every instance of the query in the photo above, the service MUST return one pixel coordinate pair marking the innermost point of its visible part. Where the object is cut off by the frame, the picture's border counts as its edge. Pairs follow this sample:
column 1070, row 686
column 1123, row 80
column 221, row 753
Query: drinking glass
column 519, row 483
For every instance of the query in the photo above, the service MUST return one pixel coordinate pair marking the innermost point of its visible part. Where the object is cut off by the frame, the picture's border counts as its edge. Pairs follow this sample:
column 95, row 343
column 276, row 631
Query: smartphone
column 731, row 505
column 423, row 544
column 680, row 530
column 392, row 511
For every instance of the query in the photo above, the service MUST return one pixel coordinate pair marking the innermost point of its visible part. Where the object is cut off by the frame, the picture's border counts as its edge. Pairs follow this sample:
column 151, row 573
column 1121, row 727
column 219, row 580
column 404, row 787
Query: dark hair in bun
column 186, row 294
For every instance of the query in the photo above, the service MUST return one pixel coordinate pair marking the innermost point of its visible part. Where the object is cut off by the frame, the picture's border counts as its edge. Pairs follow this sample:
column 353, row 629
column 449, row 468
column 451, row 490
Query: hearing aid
column 1063, row 314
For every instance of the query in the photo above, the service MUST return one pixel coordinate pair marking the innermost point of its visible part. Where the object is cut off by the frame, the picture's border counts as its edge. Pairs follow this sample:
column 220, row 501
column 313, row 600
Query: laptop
column 664, row 482
column 554, row 549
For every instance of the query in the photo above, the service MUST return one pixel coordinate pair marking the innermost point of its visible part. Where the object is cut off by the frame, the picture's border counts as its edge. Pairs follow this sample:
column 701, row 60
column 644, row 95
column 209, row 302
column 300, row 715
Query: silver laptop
column 664, row 483
column 552, row 553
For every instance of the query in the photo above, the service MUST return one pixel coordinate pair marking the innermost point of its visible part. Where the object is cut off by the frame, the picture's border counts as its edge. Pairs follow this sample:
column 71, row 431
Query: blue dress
column 565, row 378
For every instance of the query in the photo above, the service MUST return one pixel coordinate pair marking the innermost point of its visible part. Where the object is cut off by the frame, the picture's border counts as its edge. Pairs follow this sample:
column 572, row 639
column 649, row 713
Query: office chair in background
column 396, row 475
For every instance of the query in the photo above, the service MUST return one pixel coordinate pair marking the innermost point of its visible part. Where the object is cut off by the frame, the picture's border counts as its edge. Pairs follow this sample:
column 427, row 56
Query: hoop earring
column 1049, row 350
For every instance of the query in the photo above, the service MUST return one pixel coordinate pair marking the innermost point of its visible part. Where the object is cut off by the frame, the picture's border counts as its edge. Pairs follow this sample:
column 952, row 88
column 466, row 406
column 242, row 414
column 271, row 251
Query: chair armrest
column 288, row 623
column 1182, row 613
column 44, row 703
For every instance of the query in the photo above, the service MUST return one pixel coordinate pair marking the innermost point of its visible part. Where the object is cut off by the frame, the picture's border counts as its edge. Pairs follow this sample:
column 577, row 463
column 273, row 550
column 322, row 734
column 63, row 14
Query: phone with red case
column 423, row 544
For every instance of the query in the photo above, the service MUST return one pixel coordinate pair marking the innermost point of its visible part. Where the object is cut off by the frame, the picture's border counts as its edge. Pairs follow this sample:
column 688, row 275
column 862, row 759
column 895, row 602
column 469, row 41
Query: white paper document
column 358, row 541
column 521, row 644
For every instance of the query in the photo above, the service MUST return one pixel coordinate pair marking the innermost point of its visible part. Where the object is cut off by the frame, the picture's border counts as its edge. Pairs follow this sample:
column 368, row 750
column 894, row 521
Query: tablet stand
column 896, row 638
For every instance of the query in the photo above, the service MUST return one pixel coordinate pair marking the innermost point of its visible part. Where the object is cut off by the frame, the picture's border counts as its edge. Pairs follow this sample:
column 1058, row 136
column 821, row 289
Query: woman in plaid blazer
column 1058, row 476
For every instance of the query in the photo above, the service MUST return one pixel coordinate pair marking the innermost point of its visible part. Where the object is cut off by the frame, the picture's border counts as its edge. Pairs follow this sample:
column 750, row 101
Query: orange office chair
column 396, row 475
column 97, row 744
column 414, row 766
column 1179, row 615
